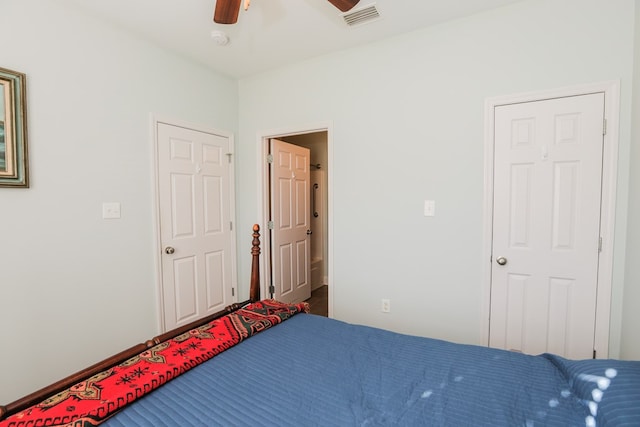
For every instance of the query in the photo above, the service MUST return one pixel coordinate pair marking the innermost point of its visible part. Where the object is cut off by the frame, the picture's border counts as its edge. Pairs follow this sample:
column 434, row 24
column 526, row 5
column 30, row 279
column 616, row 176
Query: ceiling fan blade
column 226, row 11
column 344, row 5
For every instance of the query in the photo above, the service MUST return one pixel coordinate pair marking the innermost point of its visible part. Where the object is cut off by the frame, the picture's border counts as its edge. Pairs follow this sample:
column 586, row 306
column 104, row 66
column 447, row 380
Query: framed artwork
column 14, row 168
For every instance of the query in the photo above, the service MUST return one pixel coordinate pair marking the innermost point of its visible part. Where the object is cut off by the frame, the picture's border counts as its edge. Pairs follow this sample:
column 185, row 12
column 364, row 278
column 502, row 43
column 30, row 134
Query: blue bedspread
column 313, row 371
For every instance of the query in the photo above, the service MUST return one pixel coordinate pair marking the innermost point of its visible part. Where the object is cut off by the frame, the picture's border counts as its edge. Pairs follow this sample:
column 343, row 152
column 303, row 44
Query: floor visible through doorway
column 319, row 301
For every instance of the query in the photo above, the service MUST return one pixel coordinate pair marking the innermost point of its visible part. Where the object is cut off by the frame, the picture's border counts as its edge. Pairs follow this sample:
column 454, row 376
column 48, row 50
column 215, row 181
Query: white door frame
column 611, row 90
column 263, row 201
column 154, row 119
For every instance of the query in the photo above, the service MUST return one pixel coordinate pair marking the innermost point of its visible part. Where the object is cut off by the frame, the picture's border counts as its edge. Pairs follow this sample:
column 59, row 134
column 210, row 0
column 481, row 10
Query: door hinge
column 269, row 158
column 600, row 244
column 604, row 126
column 233, row 292
column 272, row 290
column 270, row 225
column 230, row 225
column 594, row 353
column 229, row 156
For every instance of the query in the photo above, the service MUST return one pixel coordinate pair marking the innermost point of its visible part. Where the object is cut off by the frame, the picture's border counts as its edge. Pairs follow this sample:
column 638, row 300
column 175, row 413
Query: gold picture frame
column 14, row 168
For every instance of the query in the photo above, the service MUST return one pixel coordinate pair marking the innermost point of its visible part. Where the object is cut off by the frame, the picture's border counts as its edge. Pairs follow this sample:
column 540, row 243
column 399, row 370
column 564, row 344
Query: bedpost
column 254, row 290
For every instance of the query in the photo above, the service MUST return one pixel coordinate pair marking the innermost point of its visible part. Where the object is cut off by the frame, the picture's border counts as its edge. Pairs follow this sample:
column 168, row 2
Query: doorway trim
column 263, row 199
column 611, row 90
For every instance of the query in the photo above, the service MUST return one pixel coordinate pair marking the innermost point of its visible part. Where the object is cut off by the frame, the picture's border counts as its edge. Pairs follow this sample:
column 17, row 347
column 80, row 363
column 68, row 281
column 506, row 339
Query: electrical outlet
column 386, row 306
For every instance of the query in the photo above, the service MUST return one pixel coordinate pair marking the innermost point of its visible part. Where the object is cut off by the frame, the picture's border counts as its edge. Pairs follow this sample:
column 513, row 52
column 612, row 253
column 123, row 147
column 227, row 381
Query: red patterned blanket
column 90, row 402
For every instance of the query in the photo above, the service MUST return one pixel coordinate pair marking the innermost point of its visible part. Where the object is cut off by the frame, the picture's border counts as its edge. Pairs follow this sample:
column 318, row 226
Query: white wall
column 75, row 288
column 407, row 117
column 630, row 339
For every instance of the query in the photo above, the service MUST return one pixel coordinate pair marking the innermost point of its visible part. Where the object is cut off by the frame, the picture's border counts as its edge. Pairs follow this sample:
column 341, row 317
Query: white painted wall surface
column 631, row 319
column 407, row 116
column 80, row 287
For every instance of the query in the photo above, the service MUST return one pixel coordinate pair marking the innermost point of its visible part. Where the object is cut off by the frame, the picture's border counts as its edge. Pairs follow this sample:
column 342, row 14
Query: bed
column 264, row 363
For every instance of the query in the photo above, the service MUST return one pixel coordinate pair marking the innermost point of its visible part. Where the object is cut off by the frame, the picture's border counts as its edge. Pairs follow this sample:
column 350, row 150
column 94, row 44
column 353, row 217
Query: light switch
column 111, row 210
column 429, row 208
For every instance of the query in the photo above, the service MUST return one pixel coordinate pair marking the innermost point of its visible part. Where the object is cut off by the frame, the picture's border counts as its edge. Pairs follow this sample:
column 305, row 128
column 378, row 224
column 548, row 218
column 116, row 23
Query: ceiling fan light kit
column 227, row 11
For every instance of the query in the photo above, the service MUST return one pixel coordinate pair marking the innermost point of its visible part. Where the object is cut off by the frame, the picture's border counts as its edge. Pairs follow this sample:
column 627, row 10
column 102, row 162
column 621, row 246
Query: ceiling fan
column 227, row 10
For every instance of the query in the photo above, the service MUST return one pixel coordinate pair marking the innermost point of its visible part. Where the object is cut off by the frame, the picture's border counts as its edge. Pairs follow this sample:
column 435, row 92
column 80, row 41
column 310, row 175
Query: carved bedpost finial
column 255, row 249
column 254, row 292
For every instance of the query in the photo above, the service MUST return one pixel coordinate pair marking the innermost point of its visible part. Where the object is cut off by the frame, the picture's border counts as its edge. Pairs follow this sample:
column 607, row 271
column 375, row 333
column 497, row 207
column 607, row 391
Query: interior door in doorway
column 546, row 225
column 194, row 197
column 290, row 214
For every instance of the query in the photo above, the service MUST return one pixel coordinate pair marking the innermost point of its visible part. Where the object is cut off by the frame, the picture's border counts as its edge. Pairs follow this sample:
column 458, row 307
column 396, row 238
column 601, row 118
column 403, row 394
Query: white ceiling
column 272, row 32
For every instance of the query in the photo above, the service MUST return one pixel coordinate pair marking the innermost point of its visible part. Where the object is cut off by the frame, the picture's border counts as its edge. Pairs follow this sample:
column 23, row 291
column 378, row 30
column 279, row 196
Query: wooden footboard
column 116, row 359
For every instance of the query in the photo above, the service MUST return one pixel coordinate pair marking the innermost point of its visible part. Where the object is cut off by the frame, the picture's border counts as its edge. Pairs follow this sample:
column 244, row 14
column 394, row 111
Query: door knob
column 309, row 232
column 501, row 260
column 169, row 250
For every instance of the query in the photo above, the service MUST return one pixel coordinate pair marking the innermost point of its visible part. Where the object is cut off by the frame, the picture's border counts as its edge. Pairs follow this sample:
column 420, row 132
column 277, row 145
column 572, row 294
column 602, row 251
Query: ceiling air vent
column 365, row 14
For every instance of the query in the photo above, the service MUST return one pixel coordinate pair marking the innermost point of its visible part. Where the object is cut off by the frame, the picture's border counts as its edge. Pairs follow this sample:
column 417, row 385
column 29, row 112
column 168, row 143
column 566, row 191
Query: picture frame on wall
column 14, row 167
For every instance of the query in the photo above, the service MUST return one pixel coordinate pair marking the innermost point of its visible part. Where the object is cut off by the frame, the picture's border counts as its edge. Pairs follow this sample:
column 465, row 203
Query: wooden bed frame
column 42, row 394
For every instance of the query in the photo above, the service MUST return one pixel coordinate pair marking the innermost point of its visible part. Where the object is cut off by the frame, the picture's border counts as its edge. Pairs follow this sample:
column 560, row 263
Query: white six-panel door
column 194, row 182
column 546, row 225
column 290, row 213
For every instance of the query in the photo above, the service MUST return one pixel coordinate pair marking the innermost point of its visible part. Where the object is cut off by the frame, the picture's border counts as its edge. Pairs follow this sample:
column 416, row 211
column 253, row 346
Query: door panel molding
column 210, row 220
column 611, row 90
column 290, row 206
column 553, row 211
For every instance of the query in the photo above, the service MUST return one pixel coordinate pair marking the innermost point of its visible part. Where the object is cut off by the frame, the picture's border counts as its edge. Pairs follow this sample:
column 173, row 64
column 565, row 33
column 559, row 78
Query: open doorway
column 317, row 142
